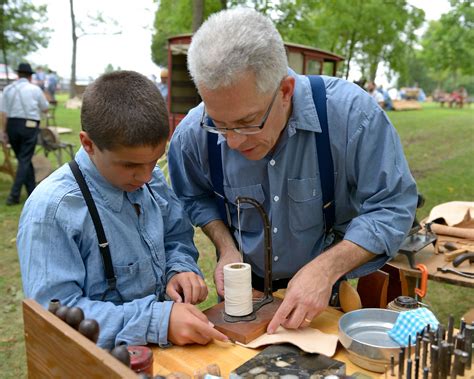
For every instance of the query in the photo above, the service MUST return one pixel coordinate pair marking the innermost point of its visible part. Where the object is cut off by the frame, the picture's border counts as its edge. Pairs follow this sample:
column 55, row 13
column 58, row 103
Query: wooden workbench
column 229, row 356
column 432, row 261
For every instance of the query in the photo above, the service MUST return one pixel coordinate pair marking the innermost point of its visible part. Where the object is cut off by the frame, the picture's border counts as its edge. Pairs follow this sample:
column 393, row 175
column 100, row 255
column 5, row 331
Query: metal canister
column 403, row 303
column 141, row 359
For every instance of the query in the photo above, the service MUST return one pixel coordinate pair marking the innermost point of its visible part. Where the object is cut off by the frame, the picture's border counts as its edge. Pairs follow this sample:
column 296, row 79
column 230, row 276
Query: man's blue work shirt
column 375, row 193
column 60, row 258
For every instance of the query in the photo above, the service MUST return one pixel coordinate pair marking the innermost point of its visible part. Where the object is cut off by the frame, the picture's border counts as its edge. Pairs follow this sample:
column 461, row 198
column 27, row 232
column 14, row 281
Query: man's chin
column 252, row 154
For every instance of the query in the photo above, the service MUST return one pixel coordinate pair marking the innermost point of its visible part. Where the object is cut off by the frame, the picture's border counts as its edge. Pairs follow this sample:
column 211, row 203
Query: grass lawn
column 438, row 142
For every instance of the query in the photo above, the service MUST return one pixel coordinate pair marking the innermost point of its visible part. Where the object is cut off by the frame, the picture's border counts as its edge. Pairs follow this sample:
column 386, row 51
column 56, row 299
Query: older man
column 289, row 154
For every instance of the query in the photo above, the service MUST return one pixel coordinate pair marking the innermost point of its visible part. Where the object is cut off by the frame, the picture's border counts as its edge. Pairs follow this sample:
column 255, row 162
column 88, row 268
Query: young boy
column 119, row 277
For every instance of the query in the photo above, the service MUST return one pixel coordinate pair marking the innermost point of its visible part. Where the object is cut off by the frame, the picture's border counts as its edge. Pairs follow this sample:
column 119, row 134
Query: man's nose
column 234, row 140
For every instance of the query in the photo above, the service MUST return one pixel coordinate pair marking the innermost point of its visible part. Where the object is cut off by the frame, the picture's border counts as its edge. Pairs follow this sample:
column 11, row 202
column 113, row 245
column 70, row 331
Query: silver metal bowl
column 364, row 334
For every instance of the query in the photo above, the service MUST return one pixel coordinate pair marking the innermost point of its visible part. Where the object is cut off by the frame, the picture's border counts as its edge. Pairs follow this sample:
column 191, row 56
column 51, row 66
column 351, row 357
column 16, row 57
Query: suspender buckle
column 112, row 283
column 328, row 204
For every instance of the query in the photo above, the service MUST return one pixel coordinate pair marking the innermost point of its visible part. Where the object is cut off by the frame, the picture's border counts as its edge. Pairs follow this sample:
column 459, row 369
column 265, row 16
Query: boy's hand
column 189, row 325
column 187, row 287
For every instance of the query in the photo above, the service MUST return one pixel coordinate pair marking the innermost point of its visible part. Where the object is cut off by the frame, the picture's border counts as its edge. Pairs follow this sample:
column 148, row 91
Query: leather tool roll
column 466, row 233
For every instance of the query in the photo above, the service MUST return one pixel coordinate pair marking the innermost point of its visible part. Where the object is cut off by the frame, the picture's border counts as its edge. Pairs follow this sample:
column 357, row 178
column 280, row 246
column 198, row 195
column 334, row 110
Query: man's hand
column 307, row 295
column 231, row 256
column 309, row 291
column 187, row 287
column 189, row 325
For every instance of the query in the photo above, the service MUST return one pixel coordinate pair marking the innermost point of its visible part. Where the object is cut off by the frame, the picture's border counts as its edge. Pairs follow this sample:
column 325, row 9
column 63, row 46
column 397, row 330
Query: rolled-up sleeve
column 384, row 188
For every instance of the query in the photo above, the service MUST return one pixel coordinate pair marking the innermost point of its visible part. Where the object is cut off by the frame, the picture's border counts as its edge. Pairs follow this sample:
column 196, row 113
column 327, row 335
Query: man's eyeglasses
column 244, row 129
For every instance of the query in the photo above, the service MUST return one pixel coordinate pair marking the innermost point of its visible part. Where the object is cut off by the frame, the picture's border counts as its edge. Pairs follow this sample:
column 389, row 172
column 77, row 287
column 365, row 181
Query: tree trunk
column 72, row 82
column 198, row 14
column 373, row 70
column 351, row 52
column 3, row 39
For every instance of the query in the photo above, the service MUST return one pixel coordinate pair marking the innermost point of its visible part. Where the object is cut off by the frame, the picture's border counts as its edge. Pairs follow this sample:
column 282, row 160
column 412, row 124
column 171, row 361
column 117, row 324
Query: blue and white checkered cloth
column 411, row 322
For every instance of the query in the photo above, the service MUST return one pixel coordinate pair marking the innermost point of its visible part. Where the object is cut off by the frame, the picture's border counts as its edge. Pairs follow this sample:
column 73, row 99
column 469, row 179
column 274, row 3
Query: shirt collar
column 303, row 115
column 110, row 194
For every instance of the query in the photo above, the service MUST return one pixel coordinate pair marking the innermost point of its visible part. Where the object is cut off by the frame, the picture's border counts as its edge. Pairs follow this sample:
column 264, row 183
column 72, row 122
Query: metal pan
column 364, row 334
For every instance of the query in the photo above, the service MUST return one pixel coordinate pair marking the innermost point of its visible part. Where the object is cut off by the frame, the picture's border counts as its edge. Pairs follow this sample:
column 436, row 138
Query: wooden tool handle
column 466, row 233
column 450, row 255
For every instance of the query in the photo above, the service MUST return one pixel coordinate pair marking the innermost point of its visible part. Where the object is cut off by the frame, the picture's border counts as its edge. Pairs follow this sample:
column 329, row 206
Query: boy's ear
column 87, row 143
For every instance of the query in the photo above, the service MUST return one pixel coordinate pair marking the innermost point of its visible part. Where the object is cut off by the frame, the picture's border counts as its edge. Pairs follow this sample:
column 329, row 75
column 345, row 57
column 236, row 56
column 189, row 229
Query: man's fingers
column 219, row 281
column 174, row 295
column 280, row 316
column 295, row 319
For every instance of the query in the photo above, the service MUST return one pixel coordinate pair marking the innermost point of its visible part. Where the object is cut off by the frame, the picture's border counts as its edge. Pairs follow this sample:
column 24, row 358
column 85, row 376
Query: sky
column 131, row 48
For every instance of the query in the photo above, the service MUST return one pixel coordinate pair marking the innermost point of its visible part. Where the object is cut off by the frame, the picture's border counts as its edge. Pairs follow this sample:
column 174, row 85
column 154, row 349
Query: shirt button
column 276, row 198
column 275, row 258
column 272, row 162
column 275, row 230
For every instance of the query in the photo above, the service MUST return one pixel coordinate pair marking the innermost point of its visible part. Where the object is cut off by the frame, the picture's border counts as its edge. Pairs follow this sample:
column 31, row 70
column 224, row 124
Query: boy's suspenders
column 99, row 229
column 323, row 151
column 103, row 243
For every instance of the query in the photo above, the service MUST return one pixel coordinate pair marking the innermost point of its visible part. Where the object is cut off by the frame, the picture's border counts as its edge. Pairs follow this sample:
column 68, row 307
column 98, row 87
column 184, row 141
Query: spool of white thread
column 238, row 289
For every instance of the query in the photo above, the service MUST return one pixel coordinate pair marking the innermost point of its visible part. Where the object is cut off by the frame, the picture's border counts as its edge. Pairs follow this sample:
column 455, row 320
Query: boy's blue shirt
column 60, row 258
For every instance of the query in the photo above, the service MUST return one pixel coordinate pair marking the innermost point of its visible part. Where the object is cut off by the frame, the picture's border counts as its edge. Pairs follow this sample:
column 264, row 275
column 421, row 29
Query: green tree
column 110, row 68
column 21, row 28
column 448, row 43
column 176, row 17
column 350, row 28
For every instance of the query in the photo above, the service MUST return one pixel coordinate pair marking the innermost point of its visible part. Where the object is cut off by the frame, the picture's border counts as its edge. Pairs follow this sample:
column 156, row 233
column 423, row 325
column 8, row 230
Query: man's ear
column 288, row 88
column 87, row 143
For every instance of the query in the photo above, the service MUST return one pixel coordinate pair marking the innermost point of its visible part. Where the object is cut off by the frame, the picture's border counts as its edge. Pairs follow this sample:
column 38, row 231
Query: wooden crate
column 56, row 350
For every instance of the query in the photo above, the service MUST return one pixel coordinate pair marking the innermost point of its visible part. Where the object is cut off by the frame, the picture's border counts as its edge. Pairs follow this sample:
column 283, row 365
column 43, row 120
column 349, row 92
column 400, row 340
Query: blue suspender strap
column 323, row 147
column 217, row 178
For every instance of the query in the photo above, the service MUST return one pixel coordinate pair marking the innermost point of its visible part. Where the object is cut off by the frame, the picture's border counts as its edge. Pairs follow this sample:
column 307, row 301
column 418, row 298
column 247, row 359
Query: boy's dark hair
column 124, row 108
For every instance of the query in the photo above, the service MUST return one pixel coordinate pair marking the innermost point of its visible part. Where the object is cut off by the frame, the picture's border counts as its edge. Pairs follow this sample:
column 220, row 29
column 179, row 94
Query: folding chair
column 49, row 141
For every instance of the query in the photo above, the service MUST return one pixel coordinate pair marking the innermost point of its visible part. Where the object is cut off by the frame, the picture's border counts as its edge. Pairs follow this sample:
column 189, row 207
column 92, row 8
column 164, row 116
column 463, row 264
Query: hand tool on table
column 450, row 328
column 416, row 241
column 465, row 274
column 449, row 256
column 467, row 256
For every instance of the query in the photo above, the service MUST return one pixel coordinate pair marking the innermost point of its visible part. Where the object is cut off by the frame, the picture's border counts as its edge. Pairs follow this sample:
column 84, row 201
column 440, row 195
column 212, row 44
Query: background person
column 23, row 103
column 150, row 239
column 39, row 78
column 267, row 123
column 163, row 85
column 51, row 86
column 376, row 95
